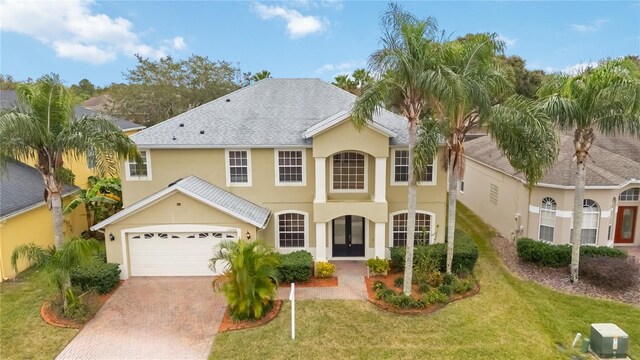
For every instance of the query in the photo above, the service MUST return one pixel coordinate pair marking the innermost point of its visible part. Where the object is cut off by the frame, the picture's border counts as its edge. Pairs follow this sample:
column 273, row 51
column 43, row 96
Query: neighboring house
column 492, row 189
column 280, row 161
column 24, row 216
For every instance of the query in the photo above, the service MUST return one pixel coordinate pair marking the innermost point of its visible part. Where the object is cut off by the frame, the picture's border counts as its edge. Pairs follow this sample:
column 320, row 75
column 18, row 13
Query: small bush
column 424, row 288
column 446, row 289
column 434, row 296
column 449, row 279
column 385, row 294
column 378, row 285
column 295, row 266
column 97, row 275
column 545, row 254
column 378, row 266
column 398, row 282
column 463, row 286
column 403, row 301
column 610, row 273
column 325, row 269
column 435, row 279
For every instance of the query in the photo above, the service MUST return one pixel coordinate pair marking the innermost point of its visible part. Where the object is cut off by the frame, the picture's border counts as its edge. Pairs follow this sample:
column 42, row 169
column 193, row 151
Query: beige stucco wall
column 344, row 137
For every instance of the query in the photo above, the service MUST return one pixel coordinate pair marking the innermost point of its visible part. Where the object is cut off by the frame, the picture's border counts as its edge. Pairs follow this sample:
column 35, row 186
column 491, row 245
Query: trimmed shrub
column 465, row 254
column 295, row 266
column 545, row 254
column 325, row 269
column 97, row 275
column 612, row 273
column 435, row 278
column 378, row 266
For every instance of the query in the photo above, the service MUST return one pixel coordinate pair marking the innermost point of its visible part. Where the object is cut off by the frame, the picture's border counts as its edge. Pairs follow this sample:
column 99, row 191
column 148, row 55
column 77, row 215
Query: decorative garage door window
column 422, row 232
column 217, row 235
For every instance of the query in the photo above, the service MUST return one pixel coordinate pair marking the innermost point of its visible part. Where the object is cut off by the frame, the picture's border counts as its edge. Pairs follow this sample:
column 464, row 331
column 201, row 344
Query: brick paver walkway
column 152, row 318
column 350, row 285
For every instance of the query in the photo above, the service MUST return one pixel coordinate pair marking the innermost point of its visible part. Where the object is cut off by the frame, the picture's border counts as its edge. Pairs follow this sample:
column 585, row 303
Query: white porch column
column 321, row 175
column 381, row 180
column 321, row 241
column 379, row 240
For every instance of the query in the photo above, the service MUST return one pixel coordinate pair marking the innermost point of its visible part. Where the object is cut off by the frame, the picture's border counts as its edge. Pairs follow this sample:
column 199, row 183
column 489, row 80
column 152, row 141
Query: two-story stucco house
column 280, row 161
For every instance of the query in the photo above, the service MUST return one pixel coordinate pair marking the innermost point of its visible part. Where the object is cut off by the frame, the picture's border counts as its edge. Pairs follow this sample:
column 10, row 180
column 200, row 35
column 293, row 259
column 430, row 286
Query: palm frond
column 36, row 255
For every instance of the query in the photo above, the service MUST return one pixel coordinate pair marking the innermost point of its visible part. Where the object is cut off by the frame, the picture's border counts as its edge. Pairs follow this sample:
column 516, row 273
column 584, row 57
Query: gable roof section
column 269, row 113
column 336, row 119
column 206, row 193
column 22, row 188
column 604, row 168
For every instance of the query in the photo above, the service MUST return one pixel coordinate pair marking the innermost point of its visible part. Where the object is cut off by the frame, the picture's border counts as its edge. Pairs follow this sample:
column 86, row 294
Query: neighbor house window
column 349, row 172
column 399, row 229
column 139, row 171
column 591, row 217
column 291, row 231
column 400, row 168
column 547, row 219
column 238, row 168
column 630, row 195
column 290, row 167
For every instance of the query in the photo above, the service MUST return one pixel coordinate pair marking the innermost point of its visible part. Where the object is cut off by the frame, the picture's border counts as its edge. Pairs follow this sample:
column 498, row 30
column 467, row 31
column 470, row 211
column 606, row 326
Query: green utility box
column 608, row 341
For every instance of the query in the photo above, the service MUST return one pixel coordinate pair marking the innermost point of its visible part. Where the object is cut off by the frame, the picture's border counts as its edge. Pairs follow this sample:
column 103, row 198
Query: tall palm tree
column 344, row 82
column 42, row 127
column 58, row 263
column 478, row 98
column 362, row 79
column 408, row 60
column 264, row 74
column 605, row 98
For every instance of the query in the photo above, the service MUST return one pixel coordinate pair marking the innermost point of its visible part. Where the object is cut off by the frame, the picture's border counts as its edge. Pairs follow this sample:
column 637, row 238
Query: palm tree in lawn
column 264, row 74
column 42, row 127
column 58, row 263
column 411, row 79
column 478, row 98
column 605, row 98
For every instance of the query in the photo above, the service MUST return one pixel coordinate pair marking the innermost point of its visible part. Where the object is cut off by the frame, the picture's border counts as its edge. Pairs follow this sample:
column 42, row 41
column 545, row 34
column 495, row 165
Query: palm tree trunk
column 451, row 214
column 411, row 211
column 583, row 138
column 56, row 208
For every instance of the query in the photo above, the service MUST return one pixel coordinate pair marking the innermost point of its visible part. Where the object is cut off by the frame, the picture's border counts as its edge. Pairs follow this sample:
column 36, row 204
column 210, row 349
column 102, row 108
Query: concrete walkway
column 631, row 250
column 350, row 284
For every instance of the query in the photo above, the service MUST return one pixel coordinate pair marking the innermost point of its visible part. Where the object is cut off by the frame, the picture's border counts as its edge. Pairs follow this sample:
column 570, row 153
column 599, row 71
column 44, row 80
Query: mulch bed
column 388, row 281
column 228, row 324
column 315, row 282
column 558, row 278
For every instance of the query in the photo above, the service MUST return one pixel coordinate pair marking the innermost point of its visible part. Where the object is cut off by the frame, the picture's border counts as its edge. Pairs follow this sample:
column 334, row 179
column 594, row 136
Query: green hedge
column 295, row 266
column 97, row 275
column 545, row 254
column 465, row 254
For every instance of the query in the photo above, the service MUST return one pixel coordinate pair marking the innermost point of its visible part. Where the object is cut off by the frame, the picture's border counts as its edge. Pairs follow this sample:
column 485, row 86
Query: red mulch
column 315, row 282
column 228, row 324
column 388, row 281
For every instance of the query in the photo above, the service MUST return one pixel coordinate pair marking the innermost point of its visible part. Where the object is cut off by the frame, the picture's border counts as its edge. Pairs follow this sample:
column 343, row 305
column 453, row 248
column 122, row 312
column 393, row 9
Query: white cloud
column 298, row 25
column 74, row 31
column 178, row 43
column 591, row 27
column 507, row 40
column 343, row 68
column 572, row 69
column 310, row 4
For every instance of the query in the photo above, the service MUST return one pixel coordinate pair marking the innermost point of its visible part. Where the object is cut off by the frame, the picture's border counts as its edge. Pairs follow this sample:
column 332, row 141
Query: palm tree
column 102, row 198
column 43, row 127
column 411, row 79
column 605, row 98
column 362, row 79
column 478, row 87
column 344, row 82
column 264, row 74
column 58, row 263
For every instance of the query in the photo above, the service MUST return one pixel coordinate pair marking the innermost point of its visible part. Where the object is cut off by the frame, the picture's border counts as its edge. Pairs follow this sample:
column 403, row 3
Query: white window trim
column 554, row 221
column 431, row 225
column 366, row 175
column 277, row 168
column 434, row 172
column 228, row 170
column 626, row 201
column 277, row 232
column 127, row 170
column 599, row 212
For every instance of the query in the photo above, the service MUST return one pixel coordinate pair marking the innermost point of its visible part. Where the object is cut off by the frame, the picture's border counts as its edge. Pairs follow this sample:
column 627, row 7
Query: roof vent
column 174, row 138
column 181, row 124
column 228, row 100
column 201, row 132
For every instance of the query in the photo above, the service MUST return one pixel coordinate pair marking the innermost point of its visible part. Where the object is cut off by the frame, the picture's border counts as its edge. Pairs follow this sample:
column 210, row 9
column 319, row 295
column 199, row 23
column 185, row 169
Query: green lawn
column 509, row 319
column 23, row 333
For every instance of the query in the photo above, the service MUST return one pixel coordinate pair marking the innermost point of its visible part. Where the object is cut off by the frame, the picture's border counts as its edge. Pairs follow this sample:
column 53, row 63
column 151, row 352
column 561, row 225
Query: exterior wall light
column 248, row 235
column 111, row 237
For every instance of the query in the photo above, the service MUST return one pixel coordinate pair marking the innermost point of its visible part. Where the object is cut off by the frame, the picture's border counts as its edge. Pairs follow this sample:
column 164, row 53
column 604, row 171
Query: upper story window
column 291, row 229
column 423, row 229
column 349, row 172
column 290, row 167
column 238, row 167
column 135, row 171
column 547, row 219
column 632, row 194
column 400, row 170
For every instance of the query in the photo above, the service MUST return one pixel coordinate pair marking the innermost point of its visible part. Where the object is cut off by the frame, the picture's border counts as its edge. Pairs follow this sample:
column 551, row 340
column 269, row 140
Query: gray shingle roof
column 22, row 187
column 604, row 167
column 9, row 99
column 271, row 112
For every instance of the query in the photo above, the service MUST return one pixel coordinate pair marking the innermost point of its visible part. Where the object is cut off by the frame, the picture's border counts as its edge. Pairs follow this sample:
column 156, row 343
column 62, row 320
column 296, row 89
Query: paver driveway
column 152, row 318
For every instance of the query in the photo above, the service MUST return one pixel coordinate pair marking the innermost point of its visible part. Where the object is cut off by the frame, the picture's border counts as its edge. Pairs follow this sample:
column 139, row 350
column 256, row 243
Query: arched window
column 423, row 232
column 349, row 172
column 590, row 220
column 291, row 229
column 632, row 194
column 547, row 219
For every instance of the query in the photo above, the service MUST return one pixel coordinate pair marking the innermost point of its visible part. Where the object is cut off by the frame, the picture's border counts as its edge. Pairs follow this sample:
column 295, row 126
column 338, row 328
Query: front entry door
column 626, row 224
column 348, row 236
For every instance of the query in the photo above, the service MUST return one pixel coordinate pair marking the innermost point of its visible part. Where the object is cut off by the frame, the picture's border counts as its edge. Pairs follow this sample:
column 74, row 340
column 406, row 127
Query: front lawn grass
column 23, row 333
column 509, row 319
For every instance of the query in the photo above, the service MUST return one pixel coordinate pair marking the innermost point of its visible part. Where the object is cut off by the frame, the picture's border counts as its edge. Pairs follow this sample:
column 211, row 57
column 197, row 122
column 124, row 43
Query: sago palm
column 249, row 277
column 57, row 263
column 42, row 128
column 604, row 99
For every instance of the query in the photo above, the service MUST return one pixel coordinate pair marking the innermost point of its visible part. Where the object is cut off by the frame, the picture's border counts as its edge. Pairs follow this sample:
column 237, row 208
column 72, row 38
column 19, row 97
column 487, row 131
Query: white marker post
column 292, row 297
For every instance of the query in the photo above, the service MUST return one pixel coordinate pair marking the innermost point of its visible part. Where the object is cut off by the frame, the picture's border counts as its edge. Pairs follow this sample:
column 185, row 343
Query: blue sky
column 97, row 40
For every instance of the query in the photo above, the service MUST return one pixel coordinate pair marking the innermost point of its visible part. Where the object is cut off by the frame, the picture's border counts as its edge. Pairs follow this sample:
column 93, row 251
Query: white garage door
column 175, row 254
